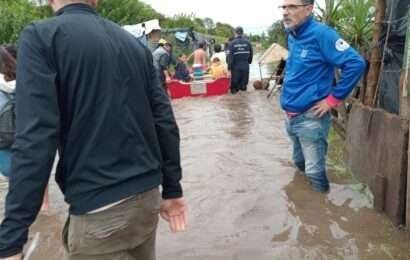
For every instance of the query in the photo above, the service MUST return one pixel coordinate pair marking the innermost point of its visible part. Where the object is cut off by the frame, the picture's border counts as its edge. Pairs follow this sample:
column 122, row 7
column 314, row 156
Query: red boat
column 179, row 89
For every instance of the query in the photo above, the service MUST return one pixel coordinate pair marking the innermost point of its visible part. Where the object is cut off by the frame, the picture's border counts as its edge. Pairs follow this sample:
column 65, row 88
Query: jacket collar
column 77, row 7
column 299, row 29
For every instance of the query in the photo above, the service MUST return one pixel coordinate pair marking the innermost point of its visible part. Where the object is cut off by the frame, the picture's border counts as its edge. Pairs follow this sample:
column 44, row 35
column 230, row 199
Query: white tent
column 274, row 54
column 140, row 29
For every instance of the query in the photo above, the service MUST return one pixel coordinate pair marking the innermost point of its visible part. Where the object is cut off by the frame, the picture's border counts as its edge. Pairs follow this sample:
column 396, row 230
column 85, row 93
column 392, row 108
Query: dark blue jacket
column 182, row 72
column 86, row 88
column 315, row 52
column 240, row 53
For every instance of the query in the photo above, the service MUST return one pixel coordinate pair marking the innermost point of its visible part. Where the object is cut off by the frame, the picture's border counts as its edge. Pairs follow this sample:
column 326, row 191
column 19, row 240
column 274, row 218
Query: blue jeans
column 308, row 134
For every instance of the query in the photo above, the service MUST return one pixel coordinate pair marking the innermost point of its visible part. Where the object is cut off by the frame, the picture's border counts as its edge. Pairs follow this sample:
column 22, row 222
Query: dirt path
column 246, row 202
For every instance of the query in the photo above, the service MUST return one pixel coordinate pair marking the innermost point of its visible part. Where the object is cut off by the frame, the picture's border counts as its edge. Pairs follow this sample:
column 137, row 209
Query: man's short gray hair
column 308, row 2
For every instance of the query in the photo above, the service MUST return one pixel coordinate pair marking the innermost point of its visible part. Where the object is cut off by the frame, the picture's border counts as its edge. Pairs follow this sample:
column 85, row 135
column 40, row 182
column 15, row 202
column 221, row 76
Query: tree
column 223, row 30
column 356, row 22
column 209, row 24
column 330, row 13
column 126, row 12
column 16, row 14
column 353, row 19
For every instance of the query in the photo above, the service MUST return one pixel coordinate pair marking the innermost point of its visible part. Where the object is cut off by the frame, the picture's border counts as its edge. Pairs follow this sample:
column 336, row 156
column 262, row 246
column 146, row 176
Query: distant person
column 181, row 69
column 240, row 56
column 162, row 57
column 199, row 56
column 221, row 55
column 308, row 93
column 8, row 56
column 87, row 88
column 152, row 35
column 217, row 70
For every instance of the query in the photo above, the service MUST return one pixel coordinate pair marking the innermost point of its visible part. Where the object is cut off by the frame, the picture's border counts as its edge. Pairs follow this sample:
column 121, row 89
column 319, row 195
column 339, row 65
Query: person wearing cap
column 240, row 56
column 308, row 93
column 162, row 58
column 151, row 36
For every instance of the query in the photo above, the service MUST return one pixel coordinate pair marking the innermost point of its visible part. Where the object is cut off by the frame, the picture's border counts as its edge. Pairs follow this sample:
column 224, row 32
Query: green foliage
column 181, row 21
column 223, row 30
column 276, row 34
column 357, row 23
column 330, row 14
column 126, row 12
column 353, row 19
column 15, row 15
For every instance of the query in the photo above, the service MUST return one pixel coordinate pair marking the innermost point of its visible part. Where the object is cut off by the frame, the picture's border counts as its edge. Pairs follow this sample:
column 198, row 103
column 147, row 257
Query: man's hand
column 16, row 257
column 321, row 108
column 174, row 211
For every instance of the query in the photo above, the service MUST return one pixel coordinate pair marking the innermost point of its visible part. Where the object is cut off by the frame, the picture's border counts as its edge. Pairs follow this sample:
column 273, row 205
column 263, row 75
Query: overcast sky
column 254, row 15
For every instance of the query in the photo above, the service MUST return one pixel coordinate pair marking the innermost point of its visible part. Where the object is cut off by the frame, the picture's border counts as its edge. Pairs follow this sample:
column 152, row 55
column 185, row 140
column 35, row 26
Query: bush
column 15, row 15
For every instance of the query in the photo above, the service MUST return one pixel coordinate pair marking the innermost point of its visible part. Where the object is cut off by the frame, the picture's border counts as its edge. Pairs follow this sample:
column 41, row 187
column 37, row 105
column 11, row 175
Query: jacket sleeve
column 250, row 54
column 168, row 135
column 164, row 61
column 37, row 130
column 230, row 56
column 339, row 54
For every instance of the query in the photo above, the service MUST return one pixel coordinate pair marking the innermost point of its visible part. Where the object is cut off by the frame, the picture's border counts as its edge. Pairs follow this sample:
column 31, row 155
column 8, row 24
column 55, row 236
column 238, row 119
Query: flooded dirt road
column 246, row 201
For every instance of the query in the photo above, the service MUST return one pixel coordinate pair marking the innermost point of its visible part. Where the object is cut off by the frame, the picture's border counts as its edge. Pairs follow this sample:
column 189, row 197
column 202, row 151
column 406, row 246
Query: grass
column 335, row 160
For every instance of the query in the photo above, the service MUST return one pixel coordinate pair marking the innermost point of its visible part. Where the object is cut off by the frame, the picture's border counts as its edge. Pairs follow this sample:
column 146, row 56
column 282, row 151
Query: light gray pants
column 123, row 232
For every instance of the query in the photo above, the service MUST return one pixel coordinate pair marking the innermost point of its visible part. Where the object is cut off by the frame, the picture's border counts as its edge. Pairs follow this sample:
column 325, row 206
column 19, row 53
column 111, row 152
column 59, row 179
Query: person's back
column 199, row 56
column 239, row 59
column 96, row 98
column 104, row 102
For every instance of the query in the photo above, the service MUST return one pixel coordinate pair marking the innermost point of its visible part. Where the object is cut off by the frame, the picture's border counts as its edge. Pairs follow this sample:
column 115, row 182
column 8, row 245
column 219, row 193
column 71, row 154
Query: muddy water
column 246, row 202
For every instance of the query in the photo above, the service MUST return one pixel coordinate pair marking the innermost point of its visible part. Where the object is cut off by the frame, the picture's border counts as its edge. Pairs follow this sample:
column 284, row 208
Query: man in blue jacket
column 308, row 94
column 239, row 57
column 87, row 88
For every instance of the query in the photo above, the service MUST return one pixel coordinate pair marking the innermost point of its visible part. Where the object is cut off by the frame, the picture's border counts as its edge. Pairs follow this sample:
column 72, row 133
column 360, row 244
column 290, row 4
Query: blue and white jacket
column 315, row 51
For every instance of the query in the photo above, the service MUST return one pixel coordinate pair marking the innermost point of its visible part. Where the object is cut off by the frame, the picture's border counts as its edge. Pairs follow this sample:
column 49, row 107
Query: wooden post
column 375, row 62
column 380, row 184
column 405, row 76
column 405, row 97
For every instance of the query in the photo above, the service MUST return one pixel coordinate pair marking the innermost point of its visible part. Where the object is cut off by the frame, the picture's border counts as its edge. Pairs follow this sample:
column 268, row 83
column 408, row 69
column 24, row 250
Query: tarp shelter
column 273, row 54
column 141, row 29
column 187, row 38
column 396, row 14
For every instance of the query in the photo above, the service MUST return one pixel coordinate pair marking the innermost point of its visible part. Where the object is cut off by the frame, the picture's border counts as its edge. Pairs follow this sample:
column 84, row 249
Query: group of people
column 233, row 62
column 90, row 90
column 200, row 68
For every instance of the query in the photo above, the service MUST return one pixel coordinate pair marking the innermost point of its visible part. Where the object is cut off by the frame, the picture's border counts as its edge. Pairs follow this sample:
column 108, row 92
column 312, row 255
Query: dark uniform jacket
column 86, row 88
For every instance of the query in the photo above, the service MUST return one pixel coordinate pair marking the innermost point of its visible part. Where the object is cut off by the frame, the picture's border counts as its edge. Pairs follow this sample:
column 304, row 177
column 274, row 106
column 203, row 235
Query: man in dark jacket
column 162, row 61
column 239, row 57
column 88, row 89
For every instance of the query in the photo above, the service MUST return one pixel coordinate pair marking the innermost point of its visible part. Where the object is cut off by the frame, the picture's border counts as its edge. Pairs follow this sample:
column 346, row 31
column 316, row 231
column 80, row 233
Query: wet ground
column 248, row 203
